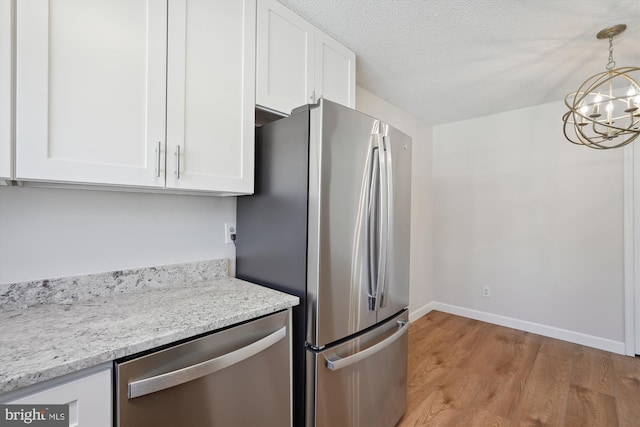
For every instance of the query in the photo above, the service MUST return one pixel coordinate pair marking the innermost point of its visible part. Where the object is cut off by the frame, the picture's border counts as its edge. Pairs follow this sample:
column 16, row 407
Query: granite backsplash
column 68, row 290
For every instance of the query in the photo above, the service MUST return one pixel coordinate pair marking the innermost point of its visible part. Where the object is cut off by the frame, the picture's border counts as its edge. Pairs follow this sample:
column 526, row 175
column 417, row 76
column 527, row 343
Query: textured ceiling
column 445, row 61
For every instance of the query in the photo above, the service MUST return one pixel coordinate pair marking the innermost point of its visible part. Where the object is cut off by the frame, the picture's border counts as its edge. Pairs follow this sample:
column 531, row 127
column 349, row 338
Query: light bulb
column 630, row 94
column 583, row 112
column 596, row 106
column 609, row 107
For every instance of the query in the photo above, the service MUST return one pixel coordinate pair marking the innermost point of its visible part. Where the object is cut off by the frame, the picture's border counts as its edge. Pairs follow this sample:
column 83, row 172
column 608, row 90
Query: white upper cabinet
column 335, row 76
column 6, row 85
column 285, row 58
column 90, row 91
column 142, row 93
column 210, row 99
column 297, row 63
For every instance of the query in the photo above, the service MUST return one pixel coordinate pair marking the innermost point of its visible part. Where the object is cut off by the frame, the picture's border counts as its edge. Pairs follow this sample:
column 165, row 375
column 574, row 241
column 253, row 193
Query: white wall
column 539, row 220
column 421, row 287
column 47, row 233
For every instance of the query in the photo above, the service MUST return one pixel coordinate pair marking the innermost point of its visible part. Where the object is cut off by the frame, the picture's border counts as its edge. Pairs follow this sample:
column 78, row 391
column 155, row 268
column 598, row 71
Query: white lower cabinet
column 142, row 93
column 88, row 394
column 297, row 63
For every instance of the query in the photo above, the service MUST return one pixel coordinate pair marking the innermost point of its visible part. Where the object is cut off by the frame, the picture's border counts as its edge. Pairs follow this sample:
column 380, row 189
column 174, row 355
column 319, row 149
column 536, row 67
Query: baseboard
column 416, row 314
column 522, row 325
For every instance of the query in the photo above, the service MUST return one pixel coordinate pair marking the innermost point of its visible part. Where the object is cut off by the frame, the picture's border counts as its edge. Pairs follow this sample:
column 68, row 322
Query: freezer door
column 361, row 383
column 393, row 292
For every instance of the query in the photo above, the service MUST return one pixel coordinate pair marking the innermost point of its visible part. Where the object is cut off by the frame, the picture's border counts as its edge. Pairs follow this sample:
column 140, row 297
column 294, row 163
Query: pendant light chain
column 611, row 64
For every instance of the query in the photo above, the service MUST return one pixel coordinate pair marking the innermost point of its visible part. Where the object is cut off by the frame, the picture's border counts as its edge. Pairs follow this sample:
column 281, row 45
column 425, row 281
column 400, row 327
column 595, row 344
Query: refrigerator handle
column 336, row 362
column 383, row 229
column 387, row 229
column 371, row 220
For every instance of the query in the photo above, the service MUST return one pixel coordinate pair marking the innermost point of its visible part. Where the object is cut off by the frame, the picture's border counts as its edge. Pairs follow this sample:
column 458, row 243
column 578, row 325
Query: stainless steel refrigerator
column 329, row 222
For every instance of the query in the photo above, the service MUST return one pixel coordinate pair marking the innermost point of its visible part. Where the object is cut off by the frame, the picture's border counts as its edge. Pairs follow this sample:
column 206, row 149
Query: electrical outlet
column 229, row 232
column 486, row 291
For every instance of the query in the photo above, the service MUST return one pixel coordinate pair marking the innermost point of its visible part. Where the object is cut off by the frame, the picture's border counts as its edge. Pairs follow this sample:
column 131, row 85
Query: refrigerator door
column 342, row 163
column 362, row 382
column 393, row 291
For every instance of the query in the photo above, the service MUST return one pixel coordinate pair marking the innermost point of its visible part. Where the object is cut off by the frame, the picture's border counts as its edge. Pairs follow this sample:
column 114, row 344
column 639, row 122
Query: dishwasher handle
column 336, row 362
column 190, row 373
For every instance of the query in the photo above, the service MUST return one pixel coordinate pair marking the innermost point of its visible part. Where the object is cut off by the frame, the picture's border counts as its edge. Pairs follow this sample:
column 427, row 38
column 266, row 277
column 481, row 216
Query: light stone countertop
column 46, row 341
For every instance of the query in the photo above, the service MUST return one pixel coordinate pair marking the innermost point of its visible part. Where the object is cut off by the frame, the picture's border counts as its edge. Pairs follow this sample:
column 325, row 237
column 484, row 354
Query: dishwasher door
column 237, row 377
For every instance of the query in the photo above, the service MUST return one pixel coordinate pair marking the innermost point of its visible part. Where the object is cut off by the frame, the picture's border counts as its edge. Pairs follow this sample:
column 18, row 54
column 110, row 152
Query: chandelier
column 603, row 112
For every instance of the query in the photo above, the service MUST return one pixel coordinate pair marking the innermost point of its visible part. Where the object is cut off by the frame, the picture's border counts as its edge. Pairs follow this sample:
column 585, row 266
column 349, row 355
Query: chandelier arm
column 604, row 134
column 577, row 133
column 625, row 142
column 584, row 138
column 564, row 130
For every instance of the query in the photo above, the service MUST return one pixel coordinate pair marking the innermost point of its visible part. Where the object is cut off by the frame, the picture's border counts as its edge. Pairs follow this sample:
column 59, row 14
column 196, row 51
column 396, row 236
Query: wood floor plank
column 504, row 386
column 544, row 400
column 445, row 403
column 588, row 408
column 476, row 417
column 422, row 383
column 466, row 373
column 627, row 374
column 593, row 369
column 559, row 349
column 426, row 371
column 431, row 340
column 467, row 339
column 434, row 318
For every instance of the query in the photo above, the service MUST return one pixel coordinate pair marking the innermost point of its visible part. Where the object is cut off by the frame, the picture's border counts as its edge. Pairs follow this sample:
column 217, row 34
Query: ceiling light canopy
column 605, row 110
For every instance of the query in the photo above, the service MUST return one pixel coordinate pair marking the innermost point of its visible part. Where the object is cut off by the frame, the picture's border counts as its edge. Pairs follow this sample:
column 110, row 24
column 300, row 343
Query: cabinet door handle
column 177, row 162
column 190, row 373
column 158, row 148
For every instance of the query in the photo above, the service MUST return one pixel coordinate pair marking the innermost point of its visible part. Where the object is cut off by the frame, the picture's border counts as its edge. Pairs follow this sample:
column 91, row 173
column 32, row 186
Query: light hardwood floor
column 466, row 373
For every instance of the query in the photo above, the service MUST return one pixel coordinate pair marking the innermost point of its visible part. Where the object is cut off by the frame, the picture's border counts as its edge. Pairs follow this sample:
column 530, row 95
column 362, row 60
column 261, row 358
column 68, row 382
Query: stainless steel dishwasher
column 236, row 377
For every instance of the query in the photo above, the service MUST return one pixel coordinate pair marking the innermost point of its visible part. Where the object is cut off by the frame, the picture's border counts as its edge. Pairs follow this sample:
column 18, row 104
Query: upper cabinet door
column 335, row 76
column 210, row 98
column 90, row 91
column 6, row 89
column 285, row 56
